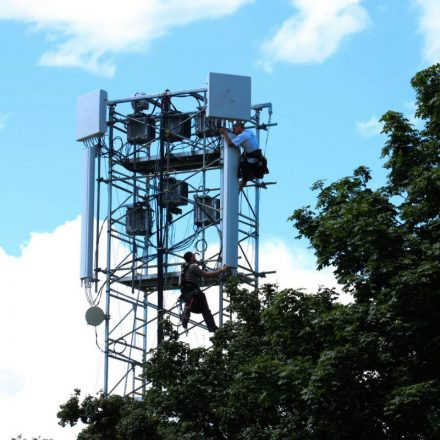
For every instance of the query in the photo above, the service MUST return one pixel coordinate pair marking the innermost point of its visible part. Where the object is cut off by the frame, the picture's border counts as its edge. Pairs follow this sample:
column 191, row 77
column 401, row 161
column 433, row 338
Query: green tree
column 385, row 248
column 303, row 366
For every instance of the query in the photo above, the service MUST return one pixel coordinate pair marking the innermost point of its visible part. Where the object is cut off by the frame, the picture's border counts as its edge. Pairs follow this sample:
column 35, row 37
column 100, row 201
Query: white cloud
column 88, row 33
column 49, row 350
column 410, row 105
column 315, row 32
column 3, row 118
column 430, row 29
column 295, row 268
column 9, row 382
column 372, row 127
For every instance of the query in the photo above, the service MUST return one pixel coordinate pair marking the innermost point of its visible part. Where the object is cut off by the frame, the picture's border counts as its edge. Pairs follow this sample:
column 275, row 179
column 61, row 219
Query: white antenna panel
column 229, row 96
column 91, row 115
column 87, row 217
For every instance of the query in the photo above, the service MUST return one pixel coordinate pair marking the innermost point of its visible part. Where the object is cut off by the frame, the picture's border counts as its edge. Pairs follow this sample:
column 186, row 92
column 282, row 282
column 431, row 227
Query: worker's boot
column 184, row 317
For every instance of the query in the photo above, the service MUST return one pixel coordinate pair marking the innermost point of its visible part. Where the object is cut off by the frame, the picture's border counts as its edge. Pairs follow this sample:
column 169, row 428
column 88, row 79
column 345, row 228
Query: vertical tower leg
column 257, row 212
column 109, row 248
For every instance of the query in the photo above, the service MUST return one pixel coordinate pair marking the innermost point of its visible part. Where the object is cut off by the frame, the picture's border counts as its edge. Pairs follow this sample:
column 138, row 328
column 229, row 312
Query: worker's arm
column 227, row 139
column 214, row 273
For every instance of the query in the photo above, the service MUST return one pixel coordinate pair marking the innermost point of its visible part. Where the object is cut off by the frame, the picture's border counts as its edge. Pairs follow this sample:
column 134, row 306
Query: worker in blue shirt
column 253, row 165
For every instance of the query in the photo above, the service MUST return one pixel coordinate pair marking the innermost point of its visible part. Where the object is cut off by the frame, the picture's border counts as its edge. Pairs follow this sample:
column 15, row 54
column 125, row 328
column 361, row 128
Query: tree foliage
column 304, row 366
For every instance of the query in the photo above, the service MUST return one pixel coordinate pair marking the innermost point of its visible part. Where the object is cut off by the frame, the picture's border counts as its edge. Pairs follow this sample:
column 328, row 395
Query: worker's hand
column 222, row 130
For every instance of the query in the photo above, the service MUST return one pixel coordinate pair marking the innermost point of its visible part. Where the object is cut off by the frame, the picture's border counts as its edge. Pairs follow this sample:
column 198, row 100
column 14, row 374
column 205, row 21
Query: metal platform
column 171, row 281
column 149, row 281
column 176, row 162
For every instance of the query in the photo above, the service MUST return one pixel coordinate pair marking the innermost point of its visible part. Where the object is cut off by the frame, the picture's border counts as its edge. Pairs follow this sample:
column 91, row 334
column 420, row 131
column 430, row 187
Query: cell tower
column 156, row 167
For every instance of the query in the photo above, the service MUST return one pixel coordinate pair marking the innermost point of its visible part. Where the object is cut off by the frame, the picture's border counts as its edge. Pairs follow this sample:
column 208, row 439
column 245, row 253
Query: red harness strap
column 190, row 303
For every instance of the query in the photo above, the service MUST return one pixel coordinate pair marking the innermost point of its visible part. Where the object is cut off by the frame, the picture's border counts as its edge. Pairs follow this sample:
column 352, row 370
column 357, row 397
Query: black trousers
column 249, row 171
column 195, row 302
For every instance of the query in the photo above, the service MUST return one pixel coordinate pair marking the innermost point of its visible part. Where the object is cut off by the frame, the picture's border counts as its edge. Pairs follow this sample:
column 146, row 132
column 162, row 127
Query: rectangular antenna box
column 177, row 126
column 229, row 96
column 206, row 210
column 175, row 192
column 138, row 220
column 91, row 115
column 140, row 129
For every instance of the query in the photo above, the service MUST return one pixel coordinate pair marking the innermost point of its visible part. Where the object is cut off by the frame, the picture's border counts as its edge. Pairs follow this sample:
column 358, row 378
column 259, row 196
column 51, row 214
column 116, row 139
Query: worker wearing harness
column 253, row 165
column 191, row 294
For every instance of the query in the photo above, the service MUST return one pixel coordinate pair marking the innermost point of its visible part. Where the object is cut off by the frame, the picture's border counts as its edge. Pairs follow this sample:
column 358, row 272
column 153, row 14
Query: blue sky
column 330, row 68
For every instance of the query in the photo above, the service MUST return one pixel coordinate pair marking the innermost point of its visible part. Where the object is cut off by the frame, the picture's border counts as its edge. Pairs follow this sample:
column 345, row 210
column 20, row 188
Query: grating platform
column 171, row 281
column 185, row 161
column 149, row 282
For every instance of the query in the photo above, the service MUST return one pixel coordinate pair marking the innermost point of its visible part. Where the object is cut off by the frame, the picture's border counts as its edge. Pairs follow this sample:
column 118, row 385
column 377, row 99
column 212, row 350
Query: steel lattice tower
column 161, row 179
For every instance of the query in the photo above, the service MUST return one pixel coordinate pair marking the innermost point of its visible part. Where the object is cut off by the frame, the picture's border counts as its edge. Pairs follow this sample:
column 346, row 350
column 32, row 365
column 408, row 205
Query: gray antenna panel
column 229, row 96
column 91, row 115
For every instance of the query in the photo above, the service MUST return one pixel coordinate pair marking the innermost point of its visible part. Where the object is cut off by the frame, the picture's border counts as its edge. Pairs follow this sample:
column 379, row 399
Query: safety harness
column 256, row 154
column 187, row 287
column 184, row 284
column 253, row 170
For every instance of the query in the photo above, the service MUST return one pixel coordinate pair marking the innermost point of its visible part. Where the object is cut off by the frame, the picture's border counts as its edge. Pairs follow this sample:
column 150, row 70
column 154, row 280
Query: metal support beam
column 109, row 265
